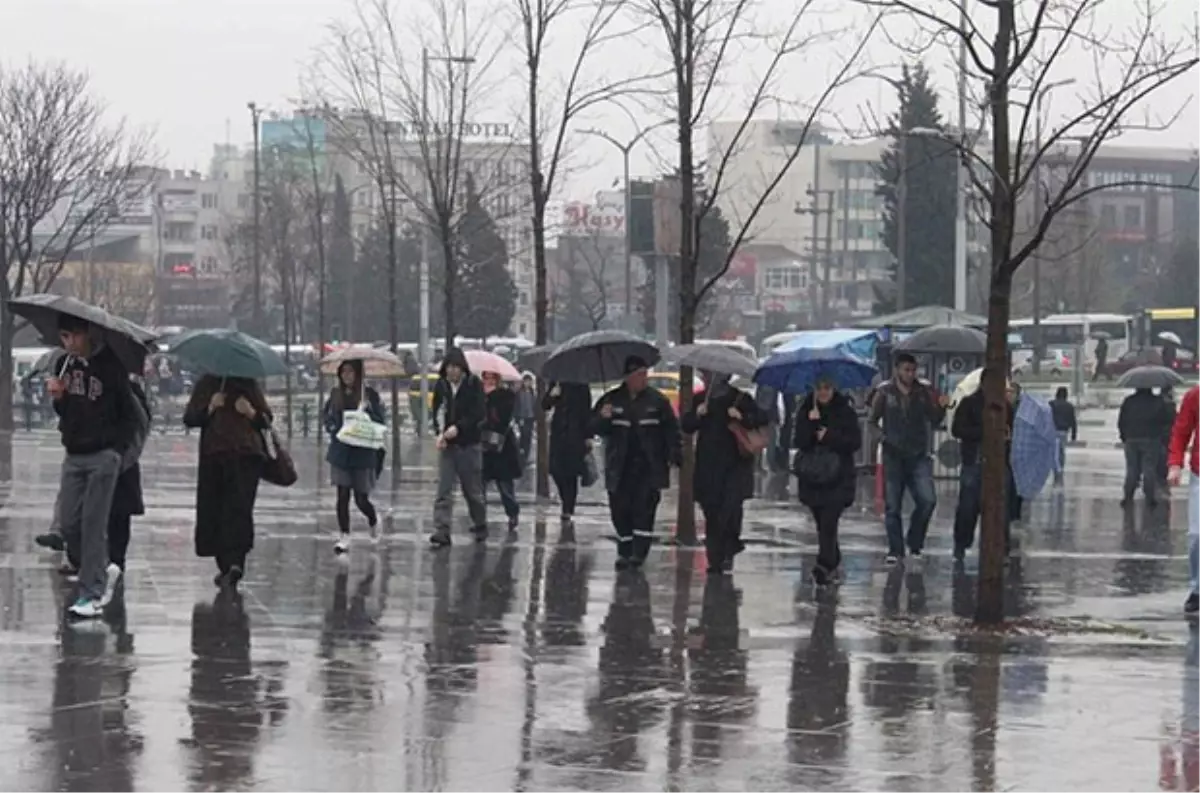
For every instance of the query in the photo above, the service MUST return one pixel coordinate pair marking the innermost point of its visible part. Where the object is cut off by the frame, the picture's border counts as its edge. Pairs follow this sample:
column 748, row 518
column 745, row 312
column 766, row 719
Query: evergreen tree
column 342, row 268
column 929, row 164
column 370, row 306
column 484, row 296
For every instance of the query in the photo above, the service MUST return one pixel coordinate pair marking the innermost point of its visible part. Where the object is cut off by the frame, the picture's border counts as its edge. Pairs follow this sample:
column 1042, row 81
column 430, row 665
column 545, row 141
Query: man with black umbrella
column 641, row 440
column 98, row 425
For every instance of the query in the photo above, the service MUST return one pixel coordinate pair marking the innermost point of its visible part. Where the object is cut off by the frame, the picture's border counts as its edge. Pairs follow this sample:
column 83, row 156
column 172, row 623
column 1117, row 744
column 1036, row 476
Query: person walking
column 99, row 424
column 457, row 415
column 1140, row 424
column 525, row 415
column 907, row 410
column 231, row 414
column 1067, row 427
column 967, row 427
column 1184, row 437
column 641, row 442
column 501, row 455
column 827, row 426
column 1101, row 360
column 352, row 470
column 723, row 477
column 570, row 440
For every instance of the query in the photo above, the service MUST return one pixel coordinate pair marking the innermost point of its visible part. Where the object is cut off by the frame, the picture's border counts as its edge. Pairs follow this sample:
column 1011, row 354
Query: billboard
column 603, row 219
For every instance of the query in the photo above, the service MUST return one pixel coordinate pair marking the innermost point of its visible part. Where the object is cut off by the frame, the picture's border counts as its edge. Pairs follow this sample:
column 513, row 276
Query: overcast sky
column 186, row 68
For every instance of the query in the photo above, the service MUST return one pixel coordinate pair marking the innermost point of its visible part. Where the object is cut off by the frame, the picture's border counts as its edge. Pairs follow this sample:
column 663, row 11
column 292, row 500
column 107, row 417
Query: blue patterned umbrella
column 1034, row 445
column 847, row 356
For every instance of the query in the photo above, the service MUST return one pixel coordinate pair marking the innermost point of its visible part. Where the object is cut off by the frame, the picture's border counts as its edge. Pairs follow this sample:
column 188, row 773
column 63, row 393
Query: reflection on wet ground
column 531, row 664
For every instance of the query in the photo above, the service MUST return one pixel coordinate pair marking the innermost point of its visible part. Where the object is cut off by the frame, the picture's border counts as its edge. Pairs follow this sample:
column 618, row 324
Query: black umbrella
column 129, row 341
column 946, row 339
column 597, row 357
column 534, row 358
column 1150, row 377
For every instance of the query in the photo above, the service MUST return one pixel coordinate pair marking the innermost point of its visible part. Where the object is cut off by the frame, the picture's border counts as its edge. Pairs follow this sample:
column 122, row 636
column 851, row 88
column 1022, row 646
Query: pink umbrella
column 481, row 361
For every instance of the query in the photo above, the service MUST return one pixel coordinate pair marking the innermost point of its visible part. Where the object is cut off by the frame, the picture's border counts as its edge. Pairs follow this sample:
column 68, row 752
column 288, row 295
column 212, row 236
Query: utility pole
column 821, row 312
column 257, row 315
column 825, row 276
column 960, row 172
column 815, row 191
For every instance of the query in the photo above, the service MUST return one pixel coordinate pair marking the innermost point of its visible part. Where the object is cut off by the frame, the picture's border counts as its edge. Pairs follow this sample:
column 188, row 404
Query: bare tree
column 591, row 265
column 703, row 41
column 65, row 174
column 1015, row 56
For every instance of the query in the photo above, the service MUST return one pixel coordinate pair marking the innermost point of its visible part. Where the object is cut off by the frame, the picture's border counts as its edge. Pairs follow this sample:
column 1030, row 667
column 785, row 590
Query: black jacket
column 842, row 435
column 1064, row 417
column 647, row 421
column 907, row 421
column 570, row 428
column 1144, row 416
column 464, row 410
column 967, row 426
column 721, row 471
column 97, row 411
column 504, row 465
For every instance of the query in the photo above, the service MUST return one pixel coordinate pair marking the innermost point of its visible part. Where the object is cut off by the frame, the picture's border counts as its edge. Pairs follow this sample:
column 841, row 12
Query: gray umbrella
column 712, row 358
column 1150, row 377
column 596, row 357
column 128, row 340
column 946, row 339
column 534, row 358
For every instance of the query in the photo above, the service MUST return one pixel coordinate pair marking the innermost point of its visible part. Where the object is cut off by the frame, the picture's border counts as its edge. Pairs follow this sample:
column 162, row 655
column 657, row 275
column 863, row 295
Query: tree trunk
column 394, row 333
column 8, row 329
column 685, row 530
column 449, row 277
column 541, row 300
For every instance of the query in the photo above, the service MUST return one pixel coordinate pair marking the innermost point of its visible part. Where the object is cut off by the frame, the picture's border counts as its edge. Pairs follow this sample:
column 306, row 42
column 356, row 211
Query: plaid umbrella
column 1034, row 445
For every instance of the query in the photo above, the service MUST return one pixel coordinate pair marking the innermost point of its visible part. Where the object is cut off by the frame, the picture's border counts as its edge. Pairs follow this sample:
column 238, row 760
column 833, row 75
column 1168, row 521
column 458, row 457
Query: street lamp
column 423, row 340
column 625, row 148
column 255, row 113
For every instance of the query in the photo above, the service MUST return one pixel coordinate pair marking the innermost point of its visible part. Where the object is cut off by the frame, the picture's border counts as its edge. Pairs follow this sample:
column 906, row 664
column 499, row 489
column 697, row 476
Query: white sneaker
column 342, row 545
column 87, row 608
column 112, row 577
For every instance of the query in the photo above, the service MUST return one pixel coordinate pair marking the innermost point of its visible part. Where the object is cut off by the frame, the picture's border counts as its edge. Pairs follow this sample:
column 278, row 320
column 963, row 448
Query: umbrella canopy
column 946, row 339
column 1034, row 445
column 481, row 361
column 712, row 358
column 846, row 356
column 376, row 363
column 128, row 340
column 923, row 317
column 227, row 353
column 1101, row 334
column 596, row 357
column 1167, row 335
column 534, row 358
column 1150, row 377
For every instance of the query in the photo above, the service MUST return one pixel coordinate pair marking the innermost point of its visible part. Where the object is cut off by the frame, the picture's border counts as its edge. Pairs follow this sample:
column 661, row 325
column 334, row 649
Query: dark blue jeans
column 915, row 475
column 970, row 501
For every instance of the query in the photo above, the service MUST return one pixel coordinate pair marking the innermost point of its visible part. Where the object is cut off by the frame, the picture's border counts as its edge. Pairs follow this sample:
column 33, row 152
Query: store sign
column 601, row 219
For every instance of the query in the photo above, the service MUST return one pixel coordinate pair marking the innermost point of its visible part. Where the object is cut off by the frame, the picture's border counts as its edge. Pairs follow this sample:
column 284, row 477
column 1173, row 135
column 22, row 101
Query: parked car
column 1056, row 362
column 1185, row 360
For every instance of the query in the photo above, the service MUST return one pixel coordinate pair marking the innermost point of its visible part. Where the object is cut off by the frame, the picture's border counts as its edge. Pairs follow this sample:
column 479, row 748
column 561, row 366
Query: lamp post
column 423, row 334
column 625, row 148
column 255, row 112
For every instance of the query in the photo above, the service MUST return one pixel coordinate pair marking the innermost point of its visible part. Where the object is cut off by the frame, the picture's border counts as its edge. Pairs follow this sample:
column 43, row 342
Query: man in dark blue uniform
column 641, row 440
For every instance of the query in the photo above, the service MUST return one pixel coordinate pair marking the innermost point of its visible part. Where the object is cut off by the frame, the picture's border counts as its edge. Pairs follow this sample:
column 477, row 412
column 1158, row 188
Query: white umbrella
column 1167, row 335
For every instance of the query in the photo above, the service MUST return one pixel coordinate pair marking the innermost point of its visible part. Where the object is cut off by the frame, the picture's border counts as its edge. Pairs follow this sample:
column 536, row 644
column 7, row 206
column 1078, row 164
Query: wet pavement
column 531, row 664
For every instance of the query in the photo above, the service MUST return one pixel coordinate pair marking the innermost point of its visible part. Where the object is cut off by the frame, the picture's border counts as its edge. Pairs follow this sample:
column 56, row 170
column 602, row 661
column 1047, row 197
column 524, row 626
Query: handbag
column 493, row 440
column 591, row 473
column 817, row 466
column 359, row 431
column 278, row 467
column 750, row 443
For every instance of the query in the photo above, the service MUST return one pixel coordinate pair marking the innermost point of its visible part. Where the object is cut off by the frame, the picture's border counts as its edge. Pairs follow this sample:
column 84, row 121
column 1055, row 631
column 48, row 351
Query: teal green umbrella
column 227, row 353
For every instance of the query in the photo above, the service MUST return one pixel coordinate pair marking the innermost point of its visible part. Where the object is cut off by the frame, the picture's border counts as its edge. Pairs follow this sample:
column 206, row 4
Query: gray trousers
column 85, row 499
column 463, row 464
column 1141, row 466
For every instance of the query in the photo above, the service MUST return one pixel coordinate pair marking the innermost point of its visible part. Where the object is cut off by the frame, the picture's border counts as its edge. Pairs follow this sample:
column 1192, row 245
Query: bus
column 1152, row 322
column 1065, row 331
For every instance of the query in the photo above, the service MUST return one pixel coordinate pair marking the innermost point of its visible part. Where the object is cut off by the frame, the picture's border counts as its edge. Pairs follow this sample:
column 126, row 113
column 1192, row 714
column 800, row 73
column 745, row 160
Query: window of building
column 243, row 201
column 1108, row 216
column 208, row 200
column 179, row 232
column 789, row 277
column 208, row 232
column 1132, row 217
column 208, row 265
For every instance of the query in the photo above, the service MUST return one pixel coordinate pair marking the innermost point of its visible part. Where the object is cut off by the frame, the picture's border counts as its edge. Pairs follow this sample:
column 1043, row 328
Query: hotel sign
column 477, row 130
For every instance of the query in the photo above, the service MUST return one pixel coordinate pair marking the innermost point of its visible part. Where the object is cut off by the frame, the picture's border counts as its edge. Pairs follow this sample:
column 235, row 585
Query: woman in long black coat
column 723, row 478
column 502, row 465
column 827, row 420
column 231, row 414
column 570, row 431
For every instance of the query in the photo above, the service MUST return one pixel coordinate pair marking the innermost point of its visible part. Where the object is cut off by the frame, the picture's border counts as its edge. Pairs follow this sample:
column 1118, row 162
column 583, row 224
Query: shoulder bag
column 278, row 467
column 817, row 466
